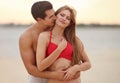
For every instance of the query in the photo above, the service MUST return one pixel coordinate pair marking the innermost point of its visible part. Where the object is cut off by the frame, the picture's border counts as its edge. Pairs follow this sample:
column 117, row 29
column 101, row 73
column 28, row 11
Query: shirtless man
column 43, row 13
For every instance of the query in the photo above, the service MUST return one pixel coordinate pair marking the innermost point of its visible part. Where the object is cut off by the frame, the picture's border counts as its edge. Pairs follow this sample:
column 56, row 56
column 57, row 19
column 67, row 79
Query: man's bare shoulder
column 26, row 35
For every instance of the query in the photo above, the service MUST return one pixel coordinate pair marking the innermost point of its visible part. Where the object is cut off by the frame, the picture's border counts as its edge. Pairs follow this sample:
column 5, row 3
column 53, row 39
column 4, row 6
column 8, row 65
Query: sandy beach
column 102, row 49
column 12, row 70
column 105, row 69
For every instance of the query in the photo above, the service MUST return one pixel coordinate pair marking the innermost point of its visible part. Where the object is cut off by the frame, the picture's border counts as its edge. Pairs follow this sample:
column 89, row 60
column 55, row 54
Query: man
column 43, row 13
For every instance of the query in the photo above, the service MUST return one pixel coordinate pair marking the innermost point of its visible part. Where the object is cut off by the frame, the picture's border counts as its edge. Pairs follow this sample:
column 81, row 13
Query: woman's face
column 63, row 18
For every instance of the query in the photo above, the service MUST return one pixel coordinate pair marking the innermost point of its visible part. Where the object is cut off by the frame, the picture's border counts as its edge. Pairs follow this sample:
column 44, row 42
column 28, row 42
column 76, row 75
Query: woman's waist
column 70, row 81
column 60, row 64
column 59, row 67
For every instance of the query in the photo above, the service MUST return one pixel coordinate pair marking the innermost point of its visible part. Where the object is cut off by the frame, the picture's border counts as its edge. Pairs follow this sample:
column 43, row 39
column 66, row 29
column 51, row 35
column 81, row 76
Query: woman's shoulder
column 44, row 35
column 78, row 39
column 79, row 43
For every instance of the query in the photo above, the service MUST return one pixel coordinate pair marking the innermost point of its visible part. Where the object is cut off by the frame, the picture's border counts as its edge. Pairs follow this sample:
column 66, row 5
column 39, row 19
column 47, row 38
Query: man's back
column 28, row 45
column 30, row 37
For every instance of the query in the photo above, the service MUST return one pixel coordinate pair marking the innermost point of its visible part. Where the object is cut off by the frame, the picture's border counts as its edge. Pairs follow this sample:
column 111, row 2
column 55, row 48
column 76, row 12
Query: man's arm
column 28, row 57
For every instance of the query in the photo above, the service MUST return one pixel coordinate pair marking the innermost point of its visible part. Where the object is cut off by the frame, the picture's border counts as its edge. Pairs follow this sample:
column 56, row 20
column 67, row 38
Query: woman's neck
column 58, row 31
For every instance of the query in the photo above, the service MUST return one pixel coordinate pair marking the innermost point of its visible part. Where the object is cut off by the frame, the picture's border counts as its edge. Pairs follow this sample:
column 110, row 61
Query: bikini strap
column 50, row 35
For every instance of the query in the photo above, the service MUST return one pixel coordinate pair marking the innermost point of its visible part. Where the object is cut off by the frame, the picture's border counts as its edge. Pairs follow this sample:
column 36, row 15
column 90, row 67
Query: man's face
column 50, row 18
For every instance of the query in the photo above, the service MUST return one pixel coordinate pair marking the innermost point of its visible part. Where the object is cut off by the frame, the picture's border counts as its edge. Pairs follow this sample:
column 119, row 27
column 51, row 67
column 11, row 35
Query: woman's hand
column 71, row 72
column 62, row 45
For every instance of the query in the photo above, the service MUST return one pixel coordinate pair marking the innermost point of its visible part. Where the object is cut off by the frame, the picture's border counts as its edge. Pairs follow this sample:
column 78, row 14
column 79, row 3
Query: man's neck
column 40, row 27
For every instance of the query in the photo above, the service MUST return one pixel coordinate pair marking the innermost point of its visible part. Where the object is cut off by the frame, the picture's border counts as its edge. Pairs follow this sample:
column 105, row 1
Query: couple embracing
column 50, row 49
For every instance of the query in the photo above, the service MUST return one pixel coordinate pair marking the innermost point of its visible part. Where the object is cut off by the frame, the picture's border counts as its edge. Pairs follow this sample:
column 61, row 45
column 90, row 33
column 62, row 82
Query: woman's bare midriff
column 61, row 64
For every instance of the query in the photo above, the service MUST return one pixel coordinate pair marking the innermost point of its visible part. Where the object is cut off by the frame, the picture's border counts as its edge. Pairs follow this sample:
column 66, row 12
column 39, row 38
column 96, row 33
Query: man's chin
column 48, row 28
column 52, row 25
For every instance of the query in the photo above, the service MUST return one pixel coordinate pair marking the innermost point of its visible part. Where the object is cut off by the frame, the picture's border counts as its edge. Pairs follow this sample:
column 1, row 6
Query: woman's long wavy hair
column 70, row 35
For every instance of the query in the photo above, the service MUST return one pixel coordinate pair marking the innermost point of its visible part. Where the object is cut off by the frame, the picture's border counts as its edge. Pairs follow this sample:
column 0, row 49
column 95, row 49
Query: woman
column 64, row 49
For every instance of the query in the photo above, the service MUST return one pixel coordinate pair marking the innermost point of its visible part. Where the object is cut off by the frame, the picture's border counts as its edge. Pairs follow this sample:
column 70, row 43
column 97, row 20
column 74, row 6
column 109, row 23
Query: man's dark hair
column 38, row 9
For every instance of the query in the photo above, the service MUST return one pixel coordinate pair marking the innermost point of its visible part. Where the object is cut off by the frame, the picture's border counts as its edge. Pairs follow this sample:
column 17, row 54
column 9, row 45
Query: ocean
column 95, row 40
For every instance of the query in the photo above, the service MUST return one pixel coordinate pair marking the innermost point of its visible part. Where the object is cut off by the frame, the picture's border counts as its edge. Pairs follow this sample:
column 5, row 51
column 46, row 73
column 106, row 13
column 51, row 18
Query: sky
column 88, row 11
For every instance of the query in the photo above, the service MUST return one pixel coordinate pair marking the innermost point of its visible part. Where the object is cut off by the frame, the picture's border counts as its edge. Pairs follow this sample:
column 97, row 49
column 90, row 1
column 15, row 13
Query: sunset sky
column 88, row 11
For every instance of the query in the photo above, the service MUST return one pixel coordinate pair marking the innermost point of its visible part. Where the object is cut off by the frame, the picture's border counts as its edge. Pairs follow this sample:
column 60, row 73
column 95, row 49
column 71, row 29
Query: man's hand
column 58, row 75
column 77, row 75
column 71, row 73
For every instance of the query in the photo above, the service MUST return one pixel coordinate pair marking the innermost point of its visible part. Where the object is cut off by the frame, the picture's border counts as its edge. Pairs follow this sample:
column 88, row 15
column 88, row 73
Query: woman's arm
column 29, row 59
column 42, row 61
column 85, row 65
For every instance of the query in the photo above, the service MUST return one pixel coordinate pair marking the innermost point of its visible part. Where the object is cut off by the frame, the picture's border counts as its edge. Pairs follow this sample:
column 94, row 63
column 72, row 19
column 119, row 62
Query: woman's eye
column 68, row 18
column 62, row 15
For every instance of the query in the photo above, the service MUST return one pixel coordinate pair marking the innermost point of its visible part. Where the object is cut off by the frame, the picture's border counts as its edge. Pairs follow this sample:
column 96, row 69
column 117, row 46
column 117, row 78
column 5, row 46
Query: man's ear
column 39, row 19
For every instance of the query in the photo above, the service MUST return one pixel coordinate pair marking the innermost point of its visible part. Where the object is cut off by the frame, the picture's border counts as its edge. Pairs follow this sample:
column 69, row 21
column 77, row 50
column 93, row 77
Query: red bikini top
column 66, row 53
